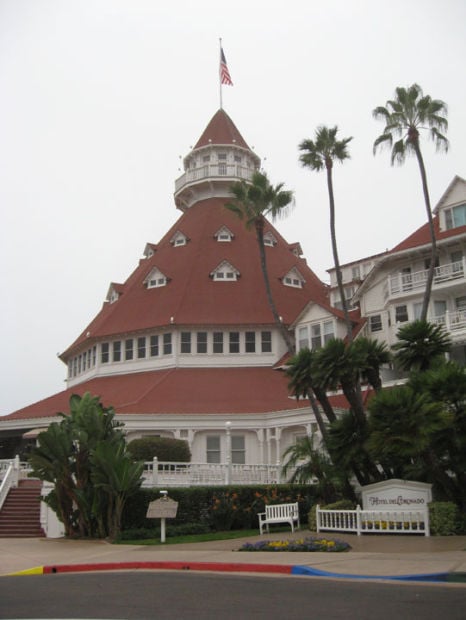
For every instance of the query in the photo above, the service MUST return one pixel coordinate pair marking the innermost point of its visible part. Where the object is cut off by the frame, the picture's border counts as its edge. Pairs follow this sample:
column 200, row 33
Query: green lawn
column 194, row 538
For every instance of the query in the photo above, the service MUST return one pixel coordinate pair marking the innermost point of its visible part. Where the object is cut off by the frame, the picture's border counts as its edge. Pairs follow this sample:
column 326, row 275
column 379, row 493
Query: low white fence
column 163, row 473
column 375, row 521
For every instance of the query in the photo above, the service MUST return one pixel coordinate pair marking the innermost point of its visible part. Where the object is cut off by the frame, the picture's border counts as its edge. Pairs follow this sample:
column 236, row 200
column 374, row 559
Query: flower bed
column 310, row 543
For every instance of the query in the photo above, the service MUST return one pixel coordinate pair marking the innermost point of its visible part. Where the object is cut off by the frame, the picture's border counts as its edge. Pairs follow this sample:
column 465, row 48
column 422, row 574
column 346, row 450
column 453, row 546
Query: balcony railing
column 209, row 171
column 158, row 473
column 404, row 283
column 452, row 321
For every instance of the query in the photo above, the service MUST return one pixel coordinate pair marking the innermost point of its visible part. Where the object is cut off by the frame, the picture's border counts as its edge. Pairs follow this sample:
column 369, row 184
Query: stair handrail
column 9, row 480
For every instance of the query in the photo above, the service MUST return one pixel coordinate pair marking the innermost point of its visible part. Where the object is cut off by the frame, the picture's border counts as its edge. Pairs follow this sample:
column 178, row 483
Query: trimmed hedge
column 219, row 508
column 164, row 448
column 444, row 519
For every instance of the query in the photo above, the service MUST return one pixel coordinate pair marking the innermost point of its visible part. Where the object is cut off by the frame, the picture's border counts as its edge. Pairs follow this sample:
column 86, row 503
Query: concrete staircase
column 20, row 514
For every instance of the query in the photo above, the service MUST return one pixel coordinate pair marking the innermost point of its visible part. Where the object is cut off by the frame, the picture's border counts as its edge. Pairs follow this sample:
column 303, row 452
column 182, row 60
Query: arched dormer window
column 293, row 278
column 225, row 272
column 155, row 279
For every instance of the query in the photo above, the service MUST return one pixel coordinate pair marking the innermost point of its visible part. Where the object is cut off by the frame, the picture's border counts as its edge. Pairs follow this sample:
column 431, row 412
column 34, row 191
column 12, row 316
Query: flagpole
column 219, row 73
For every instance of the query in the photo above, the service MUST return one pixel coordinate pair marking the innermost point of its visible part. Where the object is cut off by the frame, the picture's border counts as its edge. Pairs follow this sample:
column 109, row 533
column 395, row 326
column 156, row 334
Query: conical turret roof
column 221, row 130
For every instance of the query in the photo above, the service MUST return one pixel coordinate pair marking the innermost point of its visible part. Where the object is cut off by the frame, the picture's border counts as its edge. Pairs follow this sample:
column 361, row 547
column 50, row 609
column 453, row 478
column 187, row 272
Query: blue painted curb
column 315, row 572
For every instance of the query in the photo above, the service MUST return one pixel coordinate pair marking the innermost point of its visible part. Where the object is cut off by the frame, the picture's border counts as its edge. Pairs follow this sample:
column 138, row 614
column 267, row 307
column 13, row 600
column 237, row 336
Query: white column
column 228, row 452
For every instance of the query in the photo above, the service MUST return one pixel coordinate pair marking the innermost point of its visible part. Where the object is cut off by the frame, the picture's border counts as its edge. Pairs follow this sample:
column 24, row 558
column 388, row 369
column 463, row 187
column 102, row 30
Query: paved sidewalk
column 371, row 555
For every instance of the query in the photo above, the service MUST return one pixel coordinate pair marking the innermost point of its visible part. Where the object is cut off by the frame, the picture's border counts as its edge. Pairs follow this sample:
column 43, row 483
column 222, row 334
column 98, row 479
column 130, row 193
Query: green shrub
column 444, row 518
column 164, row 448
column 218, row 508
column 342, row 504
column 170, row 532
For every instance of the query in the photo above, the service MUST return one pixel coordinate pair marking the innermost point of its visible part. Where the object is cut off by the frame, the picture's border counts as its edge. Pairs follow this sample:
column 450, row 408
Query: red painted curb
column 198, row 566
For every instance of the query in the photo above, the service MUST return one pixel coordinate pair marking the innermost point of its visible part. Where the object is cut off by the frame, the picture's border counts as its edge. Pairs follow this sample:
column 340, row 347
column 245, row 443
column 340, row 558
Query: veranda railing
column 163, row 473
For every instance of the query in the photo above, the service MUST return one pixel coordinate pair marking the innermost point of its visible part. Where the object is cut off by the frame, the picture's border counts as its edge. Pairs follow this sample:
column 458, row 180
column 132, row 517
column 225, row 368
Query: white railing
column 10, row 476
column 451, row 320
column 399, row 283
column 163, row 473
column 214, row 171
column 375, row 521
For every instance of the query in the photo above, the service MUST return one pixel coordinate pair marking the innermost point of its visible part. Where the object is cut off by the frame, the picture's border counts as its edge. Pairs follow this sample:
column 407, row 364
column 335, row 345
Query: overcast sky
column 100, row 98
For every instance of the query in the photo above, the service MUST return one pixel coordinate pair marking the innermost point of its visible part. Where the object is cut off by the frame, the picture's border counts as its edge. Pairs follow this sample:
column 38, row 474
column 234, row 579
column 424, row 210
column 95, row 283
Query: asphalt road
column 180, row 596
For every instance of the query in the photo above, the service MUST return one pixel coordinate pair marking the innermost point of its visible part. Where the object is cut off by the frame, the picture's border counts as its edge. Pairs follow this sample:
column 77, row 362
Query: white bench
column 279, row 513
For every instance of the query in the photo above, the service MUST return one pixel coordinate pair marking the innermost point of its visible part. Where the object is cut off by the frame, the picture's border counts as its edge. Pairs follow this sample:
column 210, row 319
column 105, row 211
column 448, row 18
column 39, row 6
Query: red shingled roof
column 178, row 391
column 221, row 130
column 421, row 236
column 191, row 297
column 182, row 391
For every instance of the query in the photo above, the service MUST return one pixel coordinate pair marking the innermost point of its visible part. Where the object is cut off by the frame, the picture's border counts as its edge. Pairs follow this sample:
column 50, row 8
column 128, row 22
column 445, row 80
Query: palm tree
column 403, row 427
column 420, row 345
column 309, row 465
column 252, row 202
column 371, row 355
column 318, row 154
column 303, row 383
column 404, row 117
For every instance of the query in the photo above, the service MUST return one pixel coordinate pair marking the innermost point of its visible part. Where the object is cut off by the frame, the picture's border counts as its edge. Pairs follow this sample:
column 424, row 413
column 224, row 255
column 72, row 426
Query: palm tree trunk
column 433, row 254
column 259, row 225
column 336, row 260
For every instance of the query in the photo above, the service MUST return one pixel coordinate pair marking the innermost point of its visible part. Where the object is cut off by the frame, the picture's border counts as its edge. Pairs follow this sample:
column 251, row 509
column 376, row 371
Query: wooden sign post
column 163, row 508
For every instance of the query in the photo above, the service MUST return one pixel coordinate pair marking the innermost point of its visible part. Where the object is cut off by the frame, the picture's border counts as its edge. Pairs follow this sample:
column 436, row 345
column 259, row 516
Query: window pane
column 185, row 342
column 202, row 342
column 375, row 323
column 440, row 307
column 250, row 342
column 117, row 351
column 141, row 347
column 328, row 331
column 459, row 216
column 238, row 450
column 316, row 342
column 218, row 342
column 213, row 449
column 167, row 344
column 401, row 314
column 154, row 346
column 266, row 342
column 104, row 353
column 417, row 309
column 234, row 342
column 129, row 349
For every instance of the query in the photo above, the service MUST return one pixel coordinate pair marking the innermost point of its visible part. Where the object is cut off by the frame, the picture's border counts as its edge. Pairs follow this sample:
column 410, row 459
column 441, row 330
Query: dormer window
column 224, row 235
column 149, row 250
column 293, row 278
column 178, row 239
column 225, row 272
column 155, row 279
column 269, row 239
column 114, row 292
column 455, row 217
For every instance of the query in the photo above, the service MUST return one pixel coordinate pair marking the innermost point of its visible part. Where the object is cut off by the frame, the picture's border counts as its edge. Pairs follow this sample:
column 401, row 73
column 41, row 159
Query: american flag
column 224, row 73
